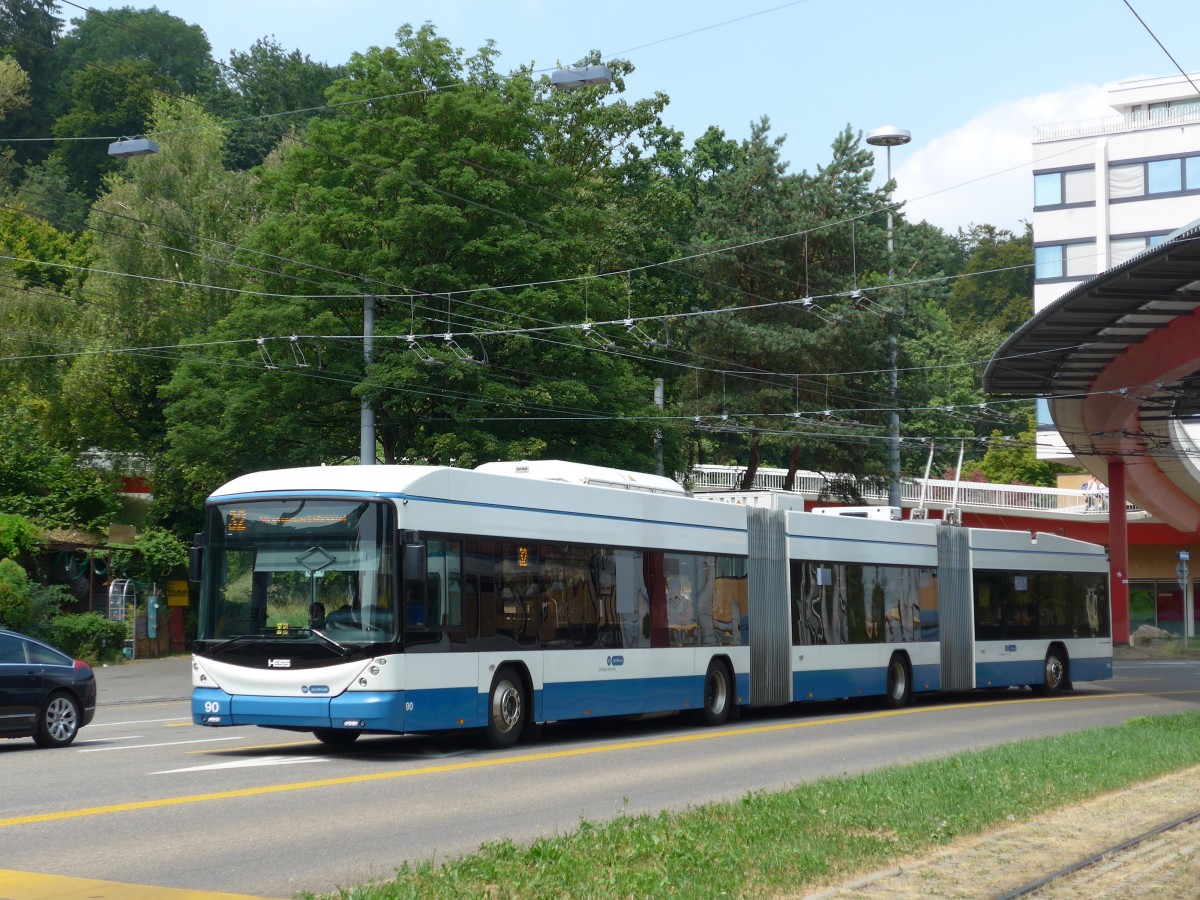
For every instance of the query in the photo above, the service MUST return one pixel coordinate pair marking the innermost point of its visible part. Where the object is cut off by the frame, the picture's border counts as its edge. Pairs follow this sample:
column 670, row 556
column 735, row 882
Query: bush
column 156, row 556
column 46, row 601
column 90, row 637
column 16, row 607
column 18, row 537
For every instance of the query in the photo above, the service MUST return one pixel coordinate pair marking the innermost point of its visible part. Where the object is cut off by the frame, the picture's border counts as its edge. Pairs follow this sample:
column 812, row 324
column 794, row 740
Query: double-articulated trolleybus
column 395, row 599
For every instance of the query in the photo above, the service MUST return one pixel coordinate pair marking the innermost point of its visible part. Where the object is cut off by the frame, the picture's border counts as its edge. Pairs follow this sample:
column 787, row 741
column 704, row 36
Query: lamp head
column 580, row 76
column 132, row 147
column 889, row 136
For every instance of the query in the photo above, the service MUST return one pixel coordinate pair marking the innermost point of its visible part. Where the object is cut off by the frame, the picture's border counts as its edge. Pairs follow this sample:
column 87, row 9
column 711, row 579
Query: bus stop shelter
column 1117, row 358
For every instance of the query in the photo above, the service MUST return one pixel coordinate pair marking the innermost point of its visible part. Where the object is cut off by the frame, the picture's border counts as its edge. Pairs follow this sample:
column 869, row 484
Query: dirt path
column 994, row 864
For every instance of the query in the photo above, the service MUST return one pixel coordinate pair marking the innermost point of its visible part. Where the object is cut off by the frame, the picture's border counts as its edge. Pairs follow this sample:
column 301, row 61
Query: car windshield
column 296, row 569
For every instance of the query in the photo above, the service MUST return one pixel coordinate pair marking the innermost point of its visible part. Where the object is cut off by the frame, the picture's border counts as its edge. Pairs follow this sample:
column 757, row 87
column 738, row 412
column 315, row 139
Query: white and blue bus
column 358, row 600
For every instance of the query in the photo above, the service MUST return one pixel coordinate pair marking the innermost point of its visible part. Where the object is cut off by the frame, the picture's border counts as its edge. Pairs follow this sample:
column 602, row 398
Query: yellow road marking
column 494, row 761
column 36, row 886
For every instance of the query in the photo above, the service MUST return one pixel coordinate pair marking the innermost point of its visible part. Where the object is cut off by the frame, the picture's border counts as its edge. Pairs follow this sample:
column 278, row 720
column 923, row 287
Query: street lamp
column 572, row 77
column 890, row 136
column 132, row 147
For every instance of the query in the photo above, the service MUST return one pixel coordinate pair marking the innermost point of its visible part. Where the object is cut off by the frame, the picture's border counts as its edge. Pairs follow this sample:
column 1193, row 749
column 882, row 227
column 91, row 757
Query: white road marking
column 163, row 744
column 247, row 763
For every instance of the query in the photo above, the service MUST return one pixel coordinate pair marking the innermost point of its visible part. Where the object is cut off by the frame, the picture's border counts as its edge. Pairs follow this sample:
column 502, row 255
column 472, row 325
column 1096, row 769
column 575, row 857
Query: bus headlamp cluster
column 201, row 677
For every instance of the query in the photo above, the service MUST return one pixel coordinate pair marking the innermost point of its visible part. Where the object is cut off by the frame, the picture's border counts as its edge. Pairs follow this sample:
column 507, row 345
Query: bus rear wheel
column 1054, row 673
column 506, row 709
column 899, row 682
column 718, row 694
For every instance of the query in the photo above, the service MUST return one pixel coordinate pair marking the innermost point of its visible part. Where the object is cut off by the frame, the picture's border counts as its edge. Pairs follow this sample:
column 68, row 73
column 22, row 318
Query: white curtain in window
column 1081, row 259
column 1126, row 248
column 1079, row 186
column 1127, row 181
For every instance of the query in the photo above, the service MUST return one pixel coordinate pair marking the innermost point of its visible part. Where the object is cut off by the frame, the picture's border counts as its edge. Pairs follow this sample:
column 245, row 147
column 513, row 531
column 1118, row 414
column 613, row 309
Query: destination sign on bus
column 237, row 520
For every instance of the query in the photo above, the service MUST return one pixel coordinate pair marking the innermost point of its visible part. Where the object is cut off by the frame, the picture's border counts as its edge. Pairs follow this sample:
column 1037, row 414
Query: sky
column 968, row 79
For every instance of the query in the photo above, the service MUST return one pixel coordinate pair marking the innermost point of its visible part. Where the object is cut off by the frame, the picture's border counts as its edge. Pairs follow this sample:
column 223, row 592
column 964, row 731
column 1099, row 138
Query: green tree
column 255, row 91
column 44, row 483
column 29, row 37
column 998, row 294
column 1010, row 461
column 429, row 195
column 14, row 95
column 176, row 50
column 102, row 103
column 14, row 86
column 38, row 314
column 46, row 191
column 116, row 64
column 166, row 236
column 759, row 357
column 45, row 257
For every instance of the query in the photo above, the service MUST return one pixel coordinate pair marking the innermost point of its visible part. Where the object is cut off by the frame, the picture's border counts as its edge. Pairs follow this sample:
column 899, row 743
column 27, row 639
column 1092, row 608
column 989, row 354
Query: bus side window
column 421, row 602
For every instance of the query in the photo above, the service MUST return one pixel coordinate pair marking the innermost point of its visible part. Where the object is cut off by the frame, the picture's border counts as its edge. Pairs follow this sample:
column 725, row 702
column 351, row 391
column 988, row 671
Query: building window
column 1121, row 248
column 1061, row 261
column 1126, row 181
column 1132, row 181
column 1047, row 189
column 1048, row 262
column 1164, row 176
column 1168, row 108
column 1064, row 188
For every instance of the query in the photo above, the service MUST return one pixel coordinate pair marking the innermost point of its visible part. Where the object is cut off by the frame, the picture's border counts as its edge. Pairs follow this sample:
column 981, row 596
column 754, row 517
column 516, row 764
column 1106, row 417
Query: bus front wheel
column 335, row 737
column 506, row 709
column 899, row 682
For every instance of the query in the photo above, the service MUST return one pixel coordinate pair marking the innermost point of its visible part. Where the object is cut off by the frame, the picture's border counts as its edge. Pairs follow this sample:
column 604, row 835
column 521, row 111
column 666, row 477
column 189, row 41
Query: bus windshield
column 296, row 568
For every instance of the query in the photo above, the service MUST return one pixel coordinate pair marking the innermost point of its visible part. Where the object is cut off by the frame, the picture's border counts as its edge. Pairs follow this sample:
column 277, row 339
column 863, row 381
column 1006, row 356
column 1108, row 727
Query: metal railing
column 939, row 493
column 1115, row 125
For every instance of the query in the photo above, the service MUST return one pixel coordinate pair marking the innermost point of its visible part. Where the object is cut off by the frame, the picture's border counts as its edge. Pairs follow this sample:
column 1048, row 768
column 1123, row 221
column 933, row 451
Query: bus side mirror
column 195, row 557
column 414, row 563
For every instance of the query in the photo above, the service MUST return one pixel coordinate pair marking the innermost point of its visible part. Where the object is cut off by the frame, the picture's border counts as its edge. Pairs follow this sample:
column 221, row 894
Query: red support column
column 1118, row 551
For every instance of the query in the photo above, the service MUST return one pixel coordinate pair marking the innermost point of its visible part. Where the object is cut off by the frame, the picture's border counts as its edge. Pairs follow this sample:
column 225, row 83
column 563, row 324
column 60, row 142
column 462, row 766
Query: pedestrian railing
column 938, row 493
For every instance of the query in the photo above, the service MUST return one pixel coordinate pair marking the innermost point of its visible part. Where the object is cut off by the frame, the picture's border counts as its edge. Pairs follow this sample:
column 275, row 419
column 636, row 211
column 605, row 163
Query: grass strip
column 769, row 843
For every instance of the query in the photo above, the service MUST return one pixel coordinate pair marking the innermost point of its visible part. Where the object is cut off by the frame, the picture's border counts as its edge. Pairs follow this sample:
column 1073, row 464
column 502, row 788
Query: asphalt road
column 145, row 797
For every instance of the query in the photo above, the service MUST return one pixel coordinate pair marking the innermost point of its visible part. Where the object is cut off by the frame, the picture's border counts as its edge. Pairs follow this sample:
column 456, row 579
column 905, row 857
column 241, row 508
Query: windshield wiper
column 237, row 638
column 341, row 649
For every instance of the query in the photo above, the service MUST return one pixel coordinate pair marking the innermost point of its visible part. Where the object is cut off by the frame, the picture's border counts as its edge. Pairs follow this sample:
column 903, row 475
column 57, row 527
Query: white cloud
column 980, row 172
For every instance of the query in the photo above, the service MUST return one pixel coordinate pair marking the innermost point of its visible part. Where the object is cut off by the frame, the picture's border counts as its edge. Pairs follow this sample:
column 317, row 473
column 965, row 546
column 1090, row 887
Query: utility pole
column 367, row 419
column 658, row 434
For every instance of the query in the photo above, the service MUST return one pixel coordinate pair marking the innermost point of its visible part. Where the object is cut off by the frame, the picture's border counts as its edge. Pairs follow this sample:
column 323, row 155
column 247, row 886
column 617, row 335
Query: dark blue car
column 44, row 694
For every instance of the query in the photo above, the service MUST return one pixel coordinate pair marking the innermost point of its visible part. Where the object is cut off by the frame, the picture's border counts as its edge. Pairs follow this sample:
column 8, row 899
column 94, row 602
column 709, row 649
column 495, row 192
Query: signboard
column 177, row 593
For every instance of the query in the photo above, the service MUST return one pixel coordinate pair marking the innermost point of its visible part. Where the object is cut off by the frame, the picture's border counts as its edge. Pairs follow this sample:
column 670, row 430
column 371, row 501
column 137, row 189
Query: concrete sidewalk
column 144, row 681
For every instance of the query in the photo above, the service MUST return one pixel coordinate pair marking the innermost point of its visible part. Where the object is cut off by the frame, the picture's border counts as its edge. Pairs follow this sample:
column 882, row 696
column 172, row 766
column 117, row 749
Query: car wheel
column 58, row 722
